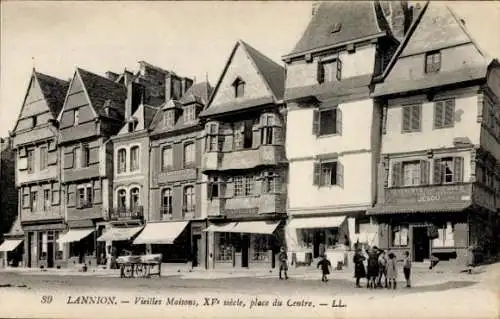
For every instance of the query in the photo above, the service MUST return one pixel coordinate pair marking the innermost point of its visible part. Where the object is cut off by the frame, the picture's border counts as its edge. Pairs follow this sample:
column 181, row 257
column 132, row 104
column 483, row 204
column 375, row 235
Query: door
column 30, row 245
column 196, row 250
column 245, row 243
column 421, row 244
column 50, row 254
column 317, row 240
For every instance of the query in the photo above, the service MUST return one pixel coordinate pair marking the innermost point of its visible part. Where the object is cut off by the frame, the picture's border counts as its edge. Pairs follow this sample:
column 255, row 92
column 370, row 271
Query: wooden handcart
column 143, row 266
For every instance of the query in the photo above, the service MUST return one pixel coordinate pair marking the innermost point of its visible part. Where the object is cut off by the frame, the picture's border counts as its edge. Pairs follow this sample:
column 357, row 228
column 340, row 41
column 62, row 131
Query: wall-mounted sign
column 425, row 194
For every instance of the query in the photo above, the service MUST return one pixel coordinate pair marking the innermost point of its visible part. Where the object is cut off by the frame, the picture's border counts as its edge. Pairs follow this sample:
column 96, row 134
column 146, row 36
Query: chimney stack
column 398, row 15
column 112, row 75
column 315, row 5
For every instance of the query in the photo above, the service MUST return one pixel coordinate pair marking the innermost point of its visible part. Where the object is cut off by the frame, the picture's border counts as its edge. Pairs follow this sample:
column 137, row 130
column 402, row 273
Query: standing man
column 283, row 258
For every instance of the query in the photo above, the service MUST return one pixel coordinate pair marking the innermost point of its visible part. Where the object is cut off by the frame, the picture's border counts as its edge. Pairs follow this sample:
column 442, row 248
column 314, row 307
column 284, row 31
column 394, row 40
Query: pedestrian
column 359, row 267
column 283, row 258
column 470, row 259
column 325, row 265
column 407, row 268
column 392, row 270
column 382, row 268
column 434, row 261
column 372, row 267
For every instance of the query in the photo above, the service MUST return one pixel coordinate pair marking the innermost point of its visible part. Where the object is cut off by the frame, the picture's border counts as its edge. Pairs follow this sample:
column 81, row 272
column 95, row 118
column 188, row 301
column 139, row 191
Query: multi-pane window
column 260, row 245
column 243, row 185
column 122, row 161
column 270, row 183
column 76, row 117
column 212, row 138
column 267, row 131
column 85, row 156
column 46, row 200
column 412, row 118
column 31, row 161
column 168, row 118
column 327, row 122
column 243, row 134
column 122, row 199
column 239, row 88
column 84, row 197
column 189, row 199
column 330, row 71
column 444, row 113
column 34, row 201
column 432, row 62
column 445, row 236
column 410, row 173
column 189, row 154
column 189, row 113
column 213, row 188
column 134, row 158
column 167, row 160
column 224, row 248
column 44, row 156
column 166, row 202
column 328, row 173
column 400, row 235
column 448, row 170
column 134, row 197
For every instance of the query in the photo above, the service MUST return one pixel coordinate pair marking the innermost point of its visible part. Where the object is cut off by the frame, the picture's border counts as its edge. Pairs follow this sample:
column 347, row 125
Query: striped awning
column 450, row 207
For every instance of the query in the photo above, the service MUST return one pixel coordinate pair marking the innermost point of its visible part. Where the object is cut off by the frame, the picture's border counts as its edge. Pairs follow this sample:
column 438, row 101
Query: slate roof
column 103, row 92
column 149, row 114
column 356, row 20
column 54, row 90
column 15, row 229
column 198, row 92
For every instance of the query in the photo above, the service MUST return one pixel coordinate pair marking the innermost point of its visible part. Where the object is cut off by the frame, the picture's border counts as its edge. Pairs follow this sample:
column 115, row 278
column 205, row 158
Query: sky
column 193, row 39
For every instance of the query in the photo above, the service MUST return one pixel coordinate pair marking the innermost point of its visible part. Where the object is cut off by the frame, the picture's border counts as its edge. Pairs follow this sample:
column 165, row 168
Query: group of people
column 380, row 266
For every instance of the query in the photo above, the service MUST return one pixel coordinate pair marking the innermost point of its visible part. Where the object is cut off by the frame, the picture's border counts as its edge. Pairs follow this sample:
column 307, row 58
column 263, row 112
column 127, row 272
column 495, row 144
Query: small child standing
column 407, row 268
column 325, row 267
column 391, row 271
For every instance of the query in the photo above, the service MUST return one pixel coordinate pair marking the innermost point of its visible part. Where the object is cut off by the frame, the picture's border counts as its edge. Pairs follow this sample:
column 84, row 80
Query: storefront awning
column 316, row 222
column 75, row 235
column 161, row 233
column 422, row 208
column 251, row 227
column 10, row 244
column 119, row 234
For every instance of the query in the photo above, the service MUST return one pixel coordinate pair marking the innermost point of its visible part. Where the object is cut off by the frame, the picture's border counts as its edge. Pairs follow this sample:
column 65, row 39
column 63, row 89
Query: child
column 392, row 271
column 372, row 267
column 282, row 257
column 325, row 267
column 382, row 269
column 407, row 268
column 470, row 259
column 359, row 267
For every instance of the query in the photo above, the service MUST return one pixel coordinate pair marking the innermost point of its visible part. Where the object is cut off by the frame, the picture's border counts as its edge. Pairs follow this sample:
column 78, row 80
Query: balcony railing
column 136, row 212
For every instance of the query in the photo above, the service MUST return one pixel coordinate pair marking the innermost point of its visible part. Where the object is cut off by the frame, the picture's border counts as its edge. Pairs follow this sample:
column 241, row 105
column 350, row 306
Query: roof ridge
column 37, row 73
column 99, row 76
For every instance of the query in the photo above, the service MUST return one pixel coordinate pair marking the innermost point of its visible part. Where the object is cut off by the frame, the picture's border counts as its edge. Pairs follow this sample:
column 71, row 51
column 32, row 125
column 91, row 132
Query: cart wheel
column 140, row 270
column 128, row 271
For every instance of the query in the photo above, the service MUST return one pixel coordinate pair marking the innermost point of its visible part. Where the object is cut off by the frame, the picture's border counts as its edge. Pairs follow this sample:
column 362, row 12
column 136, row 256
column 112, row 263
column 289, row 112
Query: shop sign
column 425, row 194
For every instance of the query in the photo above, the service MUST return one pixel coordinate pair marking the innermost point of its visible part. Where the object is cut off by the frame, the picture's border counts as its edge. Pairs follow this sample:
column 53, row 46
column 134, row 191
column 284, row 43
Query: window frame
column 119, row 204
column 239, row 88
column 212, row 138
column 442, row 108
column 30, row 154
column 434, row 66
column 85, row 153
column 191, row 111
column 121, row 165
column 336, row 68
column 169, row 118
column 137, row 166
column 397, row 229
column 170, row 165
column 136, row 204
column 87, row 196
column 443, row 243
column 317, row 121
column 411, row 116
column 47, row 202
column 213, row 184
column 76, row 117
column 270, row 183
column 44, row 157
column 166, row 209
column 185, row 147
column 33, row 200
column 191, row 208
column 319, row 177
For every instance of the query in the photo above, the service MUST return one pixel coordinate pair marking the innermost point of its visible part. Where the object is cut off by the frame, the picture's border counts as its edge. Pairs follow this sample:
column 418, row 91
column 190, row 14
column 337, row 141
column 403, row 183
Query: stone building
column 439, row 186
column 244, row 161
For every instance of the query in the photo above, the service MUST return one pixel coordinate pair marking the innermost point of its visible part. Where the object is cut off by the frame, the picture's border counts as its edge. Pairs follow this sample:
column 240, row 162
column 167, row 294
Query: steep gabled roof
column 103, row 92
column 198, row 92
column 54, row 90
column 149, row 114
column 337, row 22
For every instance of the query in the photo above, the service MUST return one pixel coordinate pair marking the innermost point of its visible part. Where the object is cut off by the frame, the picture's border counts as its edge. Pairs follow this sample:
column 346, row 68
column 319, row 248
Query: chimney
column 315, row 6
column 112, row 75
column 168, row 87
column 186, row 84
column 398, row 15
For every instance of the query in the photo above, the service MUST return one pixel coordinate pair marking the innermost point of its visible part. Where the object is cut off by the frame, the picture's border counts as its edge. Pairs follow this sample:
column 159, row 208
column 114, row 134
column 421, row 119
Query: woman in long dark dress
column 372, row 267
column 359, row 267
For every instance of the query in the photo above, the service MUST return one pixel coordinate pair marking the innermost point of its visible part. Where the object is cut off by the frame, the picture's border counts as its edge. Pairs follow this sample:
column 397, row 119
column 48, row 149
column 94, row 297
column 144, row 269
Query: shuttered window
column 410, row 173
column 444, row 113
column 328, row 174
column 327, row 122
column 448, row 170
column 412, row 118
column 44, row 157
column 329, row 71
column 432, row 62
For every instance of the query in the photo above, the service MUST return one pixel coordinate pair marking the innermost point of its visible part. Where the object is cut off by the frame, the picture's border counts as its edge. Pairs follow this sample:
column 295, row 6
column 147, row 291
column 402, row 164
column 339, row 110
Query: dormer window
column 189, row 113
column 132, row 124
column 329, row 70
column 239, row 88
column 76, row 116
column 168, row 119
column 433, row 62
column 335, row 27
column 33, row 121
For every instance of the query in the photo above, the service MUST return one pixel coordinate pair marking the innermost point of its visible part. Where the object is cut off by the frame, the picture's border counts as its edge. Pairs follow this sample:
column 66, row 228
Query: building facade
column 93, row 111
column 439, row 185
column 176, row 189
column 333, row 125
column 245, row 163
column 35, row 139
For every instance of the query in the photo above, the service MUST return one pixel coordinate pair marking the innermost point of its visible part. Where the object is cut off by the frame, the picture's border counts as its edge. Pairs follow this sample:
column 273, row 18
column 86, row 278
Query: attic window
column 432, row 62
column 76, row 118
column 239, row 88
column 132, row 124
column 335, row 27
column 33, row 121
column 168, row 118
column 189, row 113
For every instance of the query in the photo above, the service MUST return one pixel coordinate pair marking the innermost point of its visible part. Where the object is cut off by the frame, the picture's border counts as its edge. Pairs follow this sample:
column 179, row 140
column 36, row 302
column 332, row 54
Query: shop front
column 41, row 249
column 118, row 241
column 79, row 245
column 11, row 251
column 171, row 239
column 245, row 244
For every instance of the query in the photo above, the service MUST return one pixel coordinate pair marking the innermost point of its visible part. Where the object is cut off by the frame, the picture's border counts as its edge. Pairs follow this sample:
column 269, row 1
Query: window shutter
column 320, row 72
column 437, row 178
column 69, row 160
column 449, row 112
column 317, row 174
column 406, row 118
column 229, row 188
column 424, row 172
column 339, row 70
column 458, row 169
column 340, row 174
column 278, row 136
column 415, row 117
column 315, row 126
column 94, row 155
column 438, row 114
column 339, row 121
column 23, row 152
column 396, row 174
column 71, row 195
column 256, row 131
column 209, row 190
column 52, row 158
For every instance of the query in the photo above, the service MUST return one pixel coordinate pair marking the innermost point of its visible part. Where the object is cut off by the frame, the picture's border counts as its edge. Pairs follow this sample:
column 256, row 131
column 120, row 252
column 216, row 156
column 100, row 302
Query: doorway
column 421, row 244
column 50, row 254
column 245, row 242
column 30, row 248
column 196, row 250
